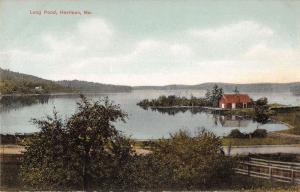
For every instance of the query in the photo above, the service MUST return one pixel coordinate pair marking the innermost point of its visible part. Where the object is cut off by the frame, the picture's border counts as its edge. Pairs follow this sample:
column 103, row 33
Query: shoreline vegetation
column 173, row 101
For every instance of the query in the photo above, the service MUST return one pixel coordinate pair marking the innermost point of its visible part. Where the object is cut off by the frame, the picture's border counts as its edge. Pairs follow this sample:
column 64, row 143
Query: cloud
column 233, row 32
column 89, row 34
column 95, row 50
column 264, row 53
column 228, row 41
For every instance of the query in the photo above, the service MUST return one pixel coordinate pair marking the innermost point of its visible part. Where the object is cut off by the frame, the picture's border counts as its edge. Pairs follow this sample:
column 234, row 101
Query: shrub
column 236, row 133
column 259, row 133
column 193, row 162
column 261, row 109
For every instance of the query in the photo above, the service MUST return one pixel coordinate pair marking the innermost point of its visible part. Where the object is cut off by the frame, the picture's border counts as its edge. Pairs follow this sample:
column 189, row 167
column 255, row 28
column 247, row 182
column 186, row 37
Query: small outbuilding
column 232, row 101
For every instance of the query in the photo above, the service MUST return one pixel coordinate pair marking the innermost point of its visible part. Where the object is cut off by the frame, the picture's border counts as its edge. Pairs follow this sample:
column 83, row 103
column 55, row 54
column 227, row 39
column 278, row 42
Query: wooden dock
column 288, row 172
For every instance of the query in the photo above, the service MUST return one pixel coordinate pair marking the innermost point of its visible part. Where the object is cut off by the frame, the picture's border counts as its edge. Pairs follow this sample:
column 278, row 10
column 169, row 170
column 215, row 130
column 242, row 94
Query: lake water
column 16, row 112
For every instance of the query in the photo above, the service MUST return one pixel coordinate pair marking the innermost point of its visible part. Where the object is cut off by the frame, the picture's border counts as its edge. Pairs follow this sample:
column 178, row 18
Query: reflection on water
column 233, row 121
column 8, row 103
column 222, row 120
column 174, row 111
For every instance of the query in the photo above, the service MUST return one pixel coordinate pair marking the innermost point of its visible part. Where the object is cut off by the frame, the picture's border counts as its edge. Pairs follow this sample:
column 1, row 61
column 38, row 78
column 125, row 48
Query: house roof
column 236, row 98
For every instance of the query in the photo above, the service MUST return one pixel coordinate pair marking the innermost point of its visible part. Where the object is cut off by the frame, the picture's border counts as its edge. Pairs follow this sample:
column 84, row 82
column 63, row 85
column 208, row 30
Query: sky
column 153, row 42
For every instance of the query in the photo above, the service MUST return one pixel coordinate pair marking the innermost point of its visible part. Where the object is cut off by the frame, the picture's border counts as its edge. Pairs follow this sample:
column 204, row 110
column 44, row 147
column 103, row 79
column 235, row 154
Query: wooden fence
column 274, row 170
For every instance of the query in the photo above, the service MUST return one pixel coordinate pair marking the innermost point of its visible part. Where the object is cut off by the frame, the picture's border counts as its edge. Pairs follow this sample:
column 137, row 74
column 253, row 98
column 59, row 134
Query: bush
column 181, row 162
column 261, row 109
column 259, row 133
column 194, row 162
column 236, row 133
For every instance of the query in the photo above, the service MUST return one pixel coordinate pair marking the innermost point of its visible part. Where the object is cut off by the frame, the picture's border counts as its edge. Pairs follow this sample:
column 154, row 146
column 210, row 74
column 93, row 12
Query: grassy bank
column 259, row 141
column 292, row 119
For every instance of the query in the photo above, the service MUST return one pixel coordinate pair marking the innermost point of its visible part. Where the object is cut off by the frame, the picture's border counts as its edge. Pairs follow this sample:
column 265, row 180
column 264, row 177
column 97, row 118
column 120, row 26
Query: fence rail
column 274, row 170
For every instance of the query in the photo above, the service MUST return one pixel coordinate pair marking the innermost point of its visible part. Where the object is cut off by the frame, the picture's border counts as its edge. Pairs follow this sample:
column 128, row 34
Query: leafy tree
column 261, row 109
column 208, row 95
column 214, row 95
column 236, row 91
column 84, row 151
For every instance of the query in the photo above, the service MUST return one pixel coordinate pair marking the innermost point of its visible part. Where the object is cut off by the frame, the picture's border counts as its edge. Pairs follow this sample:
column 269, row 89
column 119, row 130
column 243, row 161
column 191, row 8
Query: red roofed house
column 232, row 101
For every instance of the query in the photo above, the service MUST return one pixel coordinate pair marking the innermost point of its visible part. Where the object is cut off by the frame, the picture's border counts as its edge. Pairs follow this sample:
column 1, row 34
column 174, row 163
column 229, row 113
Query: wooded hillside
column 85, row 86
column 19, row 83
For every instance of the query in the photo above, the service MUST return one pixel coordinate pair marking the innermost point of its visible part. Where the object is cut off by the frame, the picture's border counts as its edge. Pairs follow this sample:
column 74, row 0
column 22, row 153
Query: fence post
column 292, row 175
column 270, row 171
column 249, row 167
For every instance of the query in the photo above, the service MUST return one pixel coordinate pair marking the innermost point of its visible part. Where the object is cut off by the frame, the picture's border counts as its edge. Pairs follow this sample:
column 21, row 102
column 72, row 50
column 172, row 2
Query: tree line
column 211, row 99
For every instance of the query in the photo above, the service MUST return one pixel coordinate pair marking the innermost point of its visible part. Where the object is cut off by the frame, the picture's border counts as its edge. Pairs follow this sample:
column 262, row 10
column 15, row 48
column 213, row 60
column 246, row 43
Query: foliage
column 261, row 109
column 236, row 91
column 193, row 162
column 86, row 86
column 236, row 133
column 211, row 99
column 84, row 151
column 257, row 133
column 173, row 100
column 180, row 162
column 12, row 82
column 13, row 139
column 214, row 95
column 9, row 169
column 8, row 139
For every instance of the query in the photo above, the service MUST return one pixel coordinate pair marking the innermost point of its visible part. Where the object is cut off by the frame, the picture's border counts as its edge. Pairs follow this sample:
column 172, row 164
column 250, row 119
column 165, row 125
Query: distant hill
column 14, row 83
column 296, row 90
column 229, row 87
column 19, row 83
column 85, row 86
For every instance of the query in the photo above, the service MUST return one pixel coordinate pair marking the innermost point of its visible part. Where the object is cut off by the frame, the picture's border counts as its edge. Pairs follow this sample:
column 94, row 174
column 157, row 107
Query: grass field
column 292, row 119
column 259, row 141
